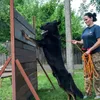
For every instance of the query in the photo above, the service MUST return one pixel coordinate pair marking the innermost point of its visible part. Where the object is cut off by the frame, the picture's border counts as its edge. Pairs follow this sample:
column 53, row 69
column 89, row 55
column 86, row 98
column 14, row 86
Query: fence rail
column 40, row 55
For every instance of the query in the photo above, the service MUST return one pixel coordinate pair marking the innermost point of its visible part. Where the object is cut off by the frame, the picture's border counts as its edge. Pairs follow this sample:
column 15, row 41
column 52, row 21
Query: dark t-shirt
column 90, row 36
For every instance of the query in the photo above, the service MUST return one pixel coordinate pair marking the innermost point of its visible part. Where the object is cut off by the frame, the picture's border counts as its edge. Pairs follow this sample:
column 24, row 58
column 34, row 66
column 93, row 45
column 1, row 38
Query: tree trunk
column 69, row 51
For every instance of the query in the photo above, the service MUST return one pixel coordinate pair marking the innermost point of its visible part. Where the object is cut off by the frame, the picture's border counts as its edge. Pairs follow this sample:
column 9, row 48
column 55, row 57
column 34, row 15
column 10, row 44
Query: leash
column 89, row 66
column 79, row 48
column 89, row 70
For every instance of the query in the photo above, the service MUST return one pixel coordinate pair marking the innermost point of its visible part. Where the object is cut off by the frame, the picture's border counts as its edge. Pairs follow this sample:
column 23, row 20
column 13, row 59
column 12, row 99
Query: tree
column 3, row 49
column 69, row 51
column 83, row 8
column 77, row 27
column 48, row 11
column 96, row 3
column 4, row 21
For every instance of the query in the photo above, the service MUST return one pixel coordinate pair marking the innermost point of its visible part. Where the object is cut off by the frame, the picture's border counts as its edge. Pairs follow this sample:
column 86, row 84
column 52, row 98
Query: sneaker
column 97, row 97
column 85, row 96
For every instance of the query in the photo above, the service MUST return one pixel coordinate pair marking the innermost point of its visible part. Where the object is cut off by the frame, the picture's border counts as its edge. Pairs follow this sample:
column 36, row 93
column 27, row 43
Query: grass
column 45, row 90
column 6, row 89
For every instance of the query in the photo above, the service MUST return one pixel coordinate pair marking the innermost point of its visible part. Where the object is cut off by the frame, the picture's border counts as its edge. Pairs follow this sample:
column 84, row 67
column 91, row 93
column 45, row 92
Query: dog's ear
column 57, row 22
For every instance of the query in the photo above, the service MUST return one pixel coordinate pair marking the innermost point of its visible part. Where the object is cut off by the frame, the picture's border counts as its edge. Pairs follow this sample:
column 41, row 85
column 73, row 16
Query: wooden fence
column 40, row 55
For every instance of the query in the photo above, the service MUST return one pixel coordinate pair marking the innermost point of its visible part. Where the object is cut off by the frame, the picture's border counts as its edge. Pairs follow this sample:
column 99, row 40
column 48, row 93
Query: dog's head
column 51, row 27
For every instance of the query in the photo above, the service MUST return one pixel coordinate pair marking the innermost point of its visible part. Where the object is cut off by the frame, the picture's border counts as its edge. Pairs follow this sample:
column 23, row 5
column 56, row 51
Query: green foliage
column 83, row 8
column 4, row 21
column 44, row 12
column 76, row 26
column 56, row 12
column 97, row 4
column 3, row 49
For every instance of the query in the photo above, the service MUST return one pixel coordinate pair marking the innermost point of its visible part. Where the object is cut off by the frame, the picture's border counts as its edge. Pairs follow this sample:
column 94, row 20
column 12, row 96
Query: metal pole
column 45, row 73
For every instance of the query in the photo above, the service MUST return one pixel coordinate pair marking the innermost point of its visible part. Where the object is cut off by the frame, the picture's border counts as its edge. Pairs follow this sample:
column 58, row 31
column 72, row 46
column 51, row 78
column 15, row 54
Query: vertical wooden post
column 34, row 22
column 12, row 48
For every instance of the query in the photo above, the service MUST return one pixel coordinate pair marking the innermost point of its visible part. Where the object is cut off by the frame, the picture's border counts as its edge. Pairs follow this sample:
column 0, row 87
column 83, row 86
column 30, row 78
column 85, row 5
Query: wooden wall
column 25, row 51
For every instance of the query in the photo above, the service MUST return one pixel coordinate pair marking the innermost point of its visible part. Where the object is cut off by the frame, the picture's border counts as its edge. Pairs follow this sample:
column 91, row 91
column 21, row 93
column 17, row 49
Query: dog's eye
column 47, row 23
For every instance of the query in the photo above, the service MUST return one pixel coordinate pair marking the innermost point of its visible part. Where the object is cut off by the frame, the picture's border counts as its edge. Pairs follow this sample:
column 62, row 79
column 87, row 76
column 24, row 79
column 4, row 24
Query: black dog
column 52, row 49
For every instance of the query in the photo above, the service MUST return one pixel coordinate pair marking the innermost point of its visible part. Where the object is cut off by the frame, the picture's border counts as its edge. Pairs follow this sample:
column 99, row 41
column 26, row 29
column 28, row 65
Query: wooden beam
column 4, row 66
column 12, row 30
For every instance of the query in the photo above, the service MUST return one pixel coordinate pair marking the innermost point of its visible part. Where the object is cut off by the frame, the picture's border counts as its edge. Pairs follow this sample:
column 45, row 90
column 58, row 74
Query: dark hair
column 91, row 15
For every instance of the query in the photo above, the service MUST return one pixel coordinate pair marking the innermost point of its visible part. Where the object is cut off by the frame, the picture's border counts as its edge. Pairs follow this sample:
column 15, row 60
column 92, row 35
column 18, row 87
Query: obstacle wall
column 25, row 52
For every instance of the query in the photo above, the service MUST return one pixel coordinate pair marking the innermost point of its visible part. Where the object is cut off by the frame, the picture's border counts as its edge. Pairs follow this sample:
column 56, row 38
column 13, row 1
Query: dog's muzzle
column 44, row 32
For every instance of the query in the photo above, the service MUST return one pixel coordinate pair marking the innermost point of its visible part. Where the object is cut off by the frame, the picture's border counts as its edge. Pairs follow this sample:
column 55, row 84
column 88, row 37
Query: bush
column 3, row 49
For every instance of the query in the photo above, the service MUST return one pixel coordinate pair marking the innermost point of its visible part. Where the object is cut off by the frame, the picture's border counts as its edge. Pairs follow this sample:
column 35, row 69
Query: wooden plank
column 27, row 66
column 27, row 71
column 21, row 52
column 31, row 76
column 22, row 45
column 24, row 88
column 23, row 21
column 25, row 59
column 18, row 44
column 22, row 81
column 6, row 74
column 19, row 35
column 28, row 47
column 31, row 65
column 25, row 55
column 24, row 92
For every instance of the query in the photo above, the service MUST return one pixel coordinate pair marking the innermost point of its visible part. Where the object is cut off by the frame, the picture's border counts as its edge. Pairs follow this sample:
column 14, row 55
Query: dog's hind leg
column 71, row 96
column 74, row 89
